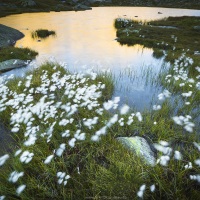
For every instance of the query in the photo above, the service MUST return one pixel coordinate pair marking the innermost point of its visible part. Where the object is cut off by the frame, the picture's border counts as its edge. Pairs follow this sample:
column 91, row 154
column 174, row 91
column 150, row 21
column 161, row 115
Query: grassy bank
column 8, row 53
column 8, row 37
column 66, row 145
column 168, row 37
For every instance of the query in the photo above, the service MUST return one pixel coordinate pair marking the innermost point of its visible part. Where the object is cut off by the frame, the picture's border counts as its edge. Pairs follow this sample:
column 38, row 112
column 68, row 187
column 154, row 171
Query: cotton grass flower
column 72, row 142
column 18, row 152
column 14, row 176
column 163, row 160
column 197, row 145
column 140, row 193
column 48, row 159
column 61, row 149
column 95, row 138
column 197, row 162
column 20, row 189
column 152, row 188
column 156, row 107
column 163, row 149
column 184, row 121
column 62, row 178
column 164, row 94
column 177, row 155
column 139, row 116
column 124, row 109
column 195, row 177
column 26, row 157
column 188, row 166
column 3, row 159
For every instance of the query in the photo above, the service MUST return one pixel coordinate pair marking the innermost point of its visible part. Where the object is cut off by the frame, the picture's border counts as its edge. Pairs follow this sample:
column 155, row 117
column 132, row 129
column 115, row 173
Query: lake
column 87, row 40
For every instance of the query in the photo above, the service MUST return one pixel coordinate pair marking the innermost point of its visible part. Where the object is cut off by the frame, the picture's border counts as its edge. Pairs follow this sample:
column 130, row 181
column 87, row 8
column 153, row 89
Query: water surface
column 87, row 40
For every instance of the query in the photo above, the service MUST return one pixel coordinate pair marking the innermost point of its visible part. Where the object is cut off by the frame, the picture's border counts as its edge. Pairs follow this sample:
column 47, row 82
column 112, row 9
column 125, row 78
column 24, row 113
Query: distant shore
column 10, row 7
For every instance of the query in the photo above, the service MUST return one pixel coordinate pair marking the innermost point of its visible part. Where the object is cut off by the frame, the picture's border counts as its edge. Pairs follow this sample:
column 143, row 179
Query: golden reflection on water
column 86, row 36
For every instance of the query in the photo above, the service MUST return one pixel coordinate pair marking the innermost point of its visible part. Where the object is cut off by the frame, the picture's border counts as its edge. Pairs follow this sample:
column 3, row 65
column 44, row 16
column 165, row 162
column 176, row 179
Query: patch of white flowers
column 184, row 121
column 62, row 178
column 38, row 120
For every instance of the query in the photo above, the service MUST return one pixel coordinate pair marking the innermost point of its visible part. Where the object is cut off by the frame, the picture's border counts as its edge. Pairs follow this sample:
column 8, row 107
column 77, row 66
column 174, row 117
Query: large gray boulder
column 8, row 36
column 140, row 147
column 12, row 64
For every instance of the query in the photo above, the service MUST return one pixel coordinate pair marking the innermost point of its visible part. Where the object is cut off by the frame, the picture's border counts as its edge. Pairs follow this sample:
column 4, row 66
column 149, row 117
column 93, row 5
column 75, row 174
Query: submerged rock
column 140, row 147
column 8, row 36
column 12, row 64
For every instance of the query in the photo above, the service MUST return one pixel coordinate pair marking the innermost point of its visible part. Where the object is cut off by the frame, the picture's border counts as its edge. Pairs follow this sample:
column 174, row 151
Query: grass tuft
column 42, row 33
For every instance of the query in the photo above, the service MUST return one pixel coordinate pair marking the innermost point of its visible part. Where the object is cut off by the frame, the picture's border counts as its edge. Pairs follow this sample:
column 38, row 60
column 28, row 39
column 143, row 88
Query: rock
column 140, row 147
column 12, row 64
column 80, row 7
column 159, row 13
column 26, row 3
column 8, row 36
column 196, row 28
column 5, row 139
column 97, row 2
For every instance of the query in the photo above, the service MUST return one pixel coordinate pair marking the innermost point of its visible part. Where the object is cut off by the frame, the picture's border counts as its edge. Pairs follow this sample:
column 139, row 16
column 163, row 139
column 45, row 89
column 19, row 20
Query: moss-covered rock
column 140, row 147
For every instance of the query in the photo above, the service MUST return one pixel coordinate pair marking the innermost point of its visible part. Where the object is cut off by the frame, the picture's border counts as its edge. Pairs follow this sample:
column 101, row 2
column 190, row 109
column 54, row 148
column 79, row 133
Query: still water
column 87, row 40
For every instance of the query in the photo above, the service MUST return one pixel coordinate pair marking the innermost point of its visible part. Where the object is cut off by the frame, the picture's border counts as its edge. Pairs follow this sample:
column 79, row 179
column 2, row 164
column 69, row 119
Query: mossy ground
column 170, row 37
column 8, row 53
column 103, row 169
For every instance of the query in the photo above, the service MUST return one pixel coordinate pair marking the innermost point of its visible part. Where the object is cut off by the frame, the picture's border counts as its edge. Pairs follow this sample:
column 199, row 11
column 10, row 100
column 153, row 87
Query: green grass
column 42, row 33
column 103, row 169
column 174, row 41
column 8, row 53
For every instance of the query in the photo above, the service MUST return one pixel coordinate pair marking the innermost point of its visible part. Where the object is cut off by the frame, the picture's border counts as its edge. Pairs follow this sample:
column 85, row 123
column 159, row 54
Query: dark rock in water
column 159, row 13
column 8, row 36
column 26, row 3
column 12, row 64
column 81, row 7
column 140, row 147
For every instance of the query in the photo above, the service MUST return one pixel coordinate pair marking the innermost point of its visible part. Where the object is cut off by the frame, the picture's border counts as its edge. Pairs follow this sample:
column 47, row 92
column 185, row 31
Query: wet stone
column 12, row 64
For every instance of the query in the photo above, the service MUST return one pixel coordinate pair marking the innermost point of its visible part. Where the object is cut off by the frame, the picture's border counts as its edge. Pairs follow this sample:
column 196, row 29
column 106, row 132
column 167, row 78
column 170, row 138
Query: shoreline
column 7, row 9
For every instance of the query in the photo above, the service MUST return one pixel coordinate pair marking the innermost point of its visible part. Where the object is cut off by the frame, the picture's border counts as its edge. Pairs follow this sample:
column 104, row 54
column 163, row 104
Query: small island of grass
column 42, row 33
